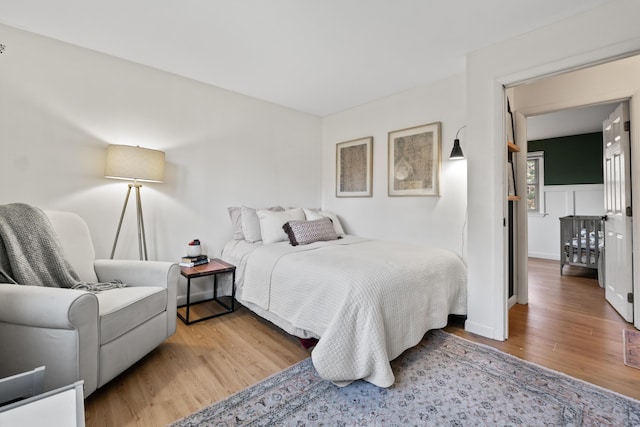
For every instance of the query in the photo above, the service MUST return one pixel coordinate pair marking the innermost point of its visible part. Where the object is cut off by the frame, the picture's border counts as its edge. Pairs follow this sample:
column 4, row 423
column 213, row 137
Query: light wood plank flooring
column 567, row 326
column 201, row 364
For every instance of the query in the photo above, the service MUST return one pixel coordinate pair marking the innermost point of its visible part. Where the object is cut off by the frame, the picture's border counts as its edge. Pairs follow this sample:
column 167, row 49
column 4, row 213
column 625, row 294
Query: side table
column 212, row 268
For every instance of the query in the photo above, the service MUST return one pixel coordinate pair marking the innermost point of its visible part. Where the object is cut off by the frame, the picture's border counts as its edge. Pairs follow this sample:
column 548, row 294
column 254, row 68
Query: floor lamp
column 134, row 164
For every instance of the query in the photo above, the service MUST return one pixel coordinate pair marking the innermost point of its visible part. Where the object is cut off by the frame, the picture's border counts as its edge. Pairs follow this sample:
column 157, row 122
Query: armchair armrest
column 34, row 320
column 43, row 307
column 137, row 273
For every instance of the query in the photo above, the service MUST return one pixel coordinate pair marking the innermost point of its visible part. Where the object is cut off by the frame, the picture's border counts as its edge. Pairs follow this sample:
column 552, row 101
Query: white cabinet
column 62, row 407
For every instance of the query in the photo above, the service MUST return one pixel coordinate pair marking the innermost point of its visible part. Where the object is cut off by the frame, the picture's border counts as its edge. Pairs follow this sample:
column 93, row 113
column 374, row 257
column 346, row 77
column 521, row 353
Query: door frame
column 573, row 98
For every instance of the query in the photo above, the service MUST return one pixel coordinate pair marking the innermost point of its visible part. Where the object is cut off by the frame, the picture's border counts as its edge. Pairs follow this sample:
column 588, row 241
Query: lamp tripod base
column 142, row 239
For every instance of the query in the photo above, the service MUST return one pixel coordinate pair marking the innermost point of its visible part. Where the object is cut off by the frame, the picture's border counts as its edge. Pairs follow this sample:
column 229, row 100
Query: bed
column 581, row 241
column 365, row 300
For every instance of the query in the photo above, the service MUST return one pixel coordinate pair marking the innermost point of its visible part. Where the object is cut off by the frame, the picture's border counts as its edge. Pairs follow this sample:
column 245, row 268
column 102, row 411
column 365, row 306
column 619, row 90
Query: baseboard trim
column 480, row 329
column 543, row 255
column 195, row 297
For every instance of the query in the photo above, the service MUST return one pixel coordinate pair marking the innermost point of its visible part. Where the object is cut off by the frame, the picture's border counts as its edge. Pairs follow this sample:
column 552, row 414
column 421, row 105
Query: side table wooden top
column 214, row 266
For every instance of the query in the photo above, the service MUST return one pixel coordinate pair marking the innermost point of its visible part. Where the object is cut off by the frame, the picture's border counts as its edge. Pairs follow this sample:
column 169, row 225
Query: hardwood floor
column 567, row 326
column 200, row 364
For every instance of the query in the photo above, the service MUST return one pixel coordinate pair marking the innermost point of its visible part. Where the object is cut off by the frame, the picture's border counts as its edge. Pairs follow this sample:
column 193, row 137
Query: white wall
column 601, row 33
column 559, row 201
column 60, row 106
column 435, row 221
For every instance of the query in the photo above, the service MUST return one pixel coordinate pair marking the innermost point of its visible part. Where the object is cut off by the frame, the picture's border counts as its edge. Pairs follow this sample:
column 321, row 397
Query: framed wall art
column 414, row 161
column 354, row 167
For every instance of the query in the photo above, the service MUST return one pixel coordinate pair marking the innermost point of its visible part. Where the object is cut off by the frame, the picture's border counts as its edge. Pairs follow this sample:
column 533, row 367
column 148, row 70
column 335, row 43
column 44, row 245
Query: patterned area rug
column 445, row 380
column 631, row 344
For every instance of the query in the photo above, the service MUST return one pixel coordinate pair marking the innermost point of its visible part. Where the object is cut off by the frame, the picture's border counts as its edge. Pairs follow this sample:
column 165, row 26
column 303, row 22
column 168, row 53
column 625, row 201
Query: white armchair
column 80, row 335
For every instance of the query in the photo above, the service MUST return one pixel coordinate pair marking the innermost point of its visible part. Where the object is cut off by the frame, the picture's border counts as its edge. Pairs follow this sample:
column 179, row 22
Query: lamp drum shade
column 134, row 163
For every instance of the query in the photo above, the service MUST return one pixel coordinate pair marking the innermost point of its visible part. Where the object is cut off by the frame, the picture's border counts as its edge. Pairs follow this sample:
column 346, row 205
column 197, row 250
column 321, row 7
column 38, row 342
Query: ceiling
column 574, row 121
column 315, row 56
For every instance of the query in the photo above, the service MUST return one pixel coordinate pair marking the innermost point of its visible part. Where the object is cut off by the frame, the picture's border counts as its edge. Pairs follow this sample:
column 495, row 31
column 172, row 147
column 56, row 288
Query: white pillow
column 271, row 223
column 312, row 214
column 235, row 214
column 251, row 224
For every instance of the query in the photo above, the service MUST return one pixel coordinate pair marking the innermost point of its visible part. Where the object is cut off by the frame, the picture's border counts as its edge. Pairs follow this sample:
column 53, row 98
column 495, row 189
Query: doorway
column 569, row 179
column 598, row 85
column 565, row 178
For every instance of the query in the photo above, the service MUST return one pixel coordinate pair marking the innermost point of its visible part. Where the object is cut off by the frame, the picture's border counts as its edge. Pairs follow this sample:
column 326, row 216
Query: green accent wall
column 575, row 159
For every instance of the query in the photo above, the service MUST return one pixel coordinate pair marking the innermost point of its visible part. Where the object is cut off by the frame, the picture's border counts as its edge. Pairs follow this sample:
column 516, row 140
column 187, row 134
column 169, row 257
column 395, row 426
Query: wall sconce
column 456, row 152
column 134, row 164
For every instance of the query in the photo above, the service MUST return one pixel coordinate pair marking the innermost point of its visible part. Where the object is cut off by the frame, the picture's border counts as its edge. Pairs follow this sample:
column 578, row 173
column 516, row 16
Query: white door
column 617, row 227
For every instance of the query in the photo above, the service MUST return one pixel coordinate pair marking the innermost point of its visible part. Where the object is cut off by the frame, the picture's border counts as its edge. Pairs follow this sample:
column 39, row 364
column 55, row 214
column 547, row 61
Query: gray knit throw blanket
column 30, row 253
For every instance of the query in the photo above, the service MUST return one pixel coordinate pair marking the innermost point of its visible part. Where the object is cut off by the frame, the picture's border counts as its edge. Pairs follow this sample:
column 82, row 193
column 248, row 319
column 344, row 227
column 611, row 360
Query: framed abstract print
column 414, row 161
column 354, row 167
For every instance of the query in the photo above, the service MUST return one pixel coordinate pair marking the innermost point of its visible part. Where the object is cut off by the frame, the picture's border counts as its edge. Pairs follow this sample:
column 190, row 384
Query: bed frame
column 581, row 241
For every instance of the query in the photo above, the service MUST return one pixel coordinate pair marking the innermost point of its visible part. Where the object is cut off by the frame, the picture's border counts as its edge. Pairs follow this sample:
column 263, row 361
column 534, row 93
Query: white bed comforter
column 367, row 300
